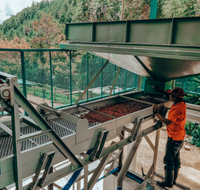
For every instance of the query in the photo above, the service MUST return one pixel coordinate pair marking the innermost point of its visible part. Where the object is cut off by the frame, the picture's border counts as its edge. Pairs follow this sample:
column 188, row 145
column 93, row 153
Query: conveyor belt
column 62, row 128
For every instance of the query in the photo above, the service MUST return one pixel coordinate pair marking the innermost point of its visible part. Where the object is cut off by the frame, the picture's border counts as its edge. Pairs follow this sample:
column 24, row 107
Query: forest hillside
column 66, row 11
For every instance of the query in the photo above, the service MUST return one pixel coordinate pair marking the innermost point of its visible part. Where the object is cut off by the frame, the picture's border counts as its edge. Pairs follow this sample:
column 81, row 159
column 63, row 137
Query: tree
column 179, row 8
column 47, row 33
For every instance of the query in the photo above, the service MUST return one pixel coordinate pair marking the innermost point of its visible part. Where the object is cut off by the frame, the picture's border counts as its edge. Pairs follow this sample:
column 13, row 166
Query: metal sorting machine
column 31, row 144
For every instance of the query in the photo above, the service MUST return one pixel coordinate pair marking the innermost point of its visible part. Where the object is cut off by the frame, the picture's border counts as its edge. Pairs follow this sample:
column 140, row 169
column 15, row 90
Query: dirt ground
column 190, row 161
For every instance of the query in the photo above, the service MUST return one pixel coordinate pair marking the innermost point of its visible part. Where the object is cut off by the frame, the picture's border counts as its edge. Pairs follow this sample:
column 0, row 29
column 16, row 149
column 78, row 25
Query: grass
column 46, row 94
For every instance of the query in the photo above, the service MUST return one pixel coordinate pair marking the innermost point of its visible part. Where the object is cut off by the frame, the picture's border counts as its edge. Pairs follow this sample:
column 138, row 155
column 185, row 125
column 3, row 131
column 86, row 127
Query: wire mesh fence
column 189, row 85
column 59, row 77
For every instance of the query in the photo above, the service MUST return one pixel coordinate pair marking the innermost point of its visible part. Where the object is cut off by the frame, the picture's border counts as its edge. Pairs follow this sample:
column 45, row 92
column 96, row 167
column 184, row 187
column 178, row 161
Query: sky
column 12, row 7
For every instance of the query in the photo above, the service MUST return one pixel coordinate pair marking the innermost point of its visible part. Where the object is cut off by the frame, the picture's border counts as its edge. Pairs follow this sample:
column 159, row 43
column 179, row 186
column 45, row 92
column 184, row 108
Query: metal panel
column 186, row 31
column 150, row 32
column 174, row 68
column 127, row 62
column 170, row 45
column 160, row 31
column 110, row 31
column 76, row 31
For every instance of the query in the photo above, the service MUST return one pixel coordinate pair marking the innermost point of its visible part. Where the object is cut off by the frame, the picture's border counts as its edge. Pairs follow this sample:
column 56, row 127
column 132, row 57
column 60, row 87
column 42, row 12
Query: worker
column 176, row 132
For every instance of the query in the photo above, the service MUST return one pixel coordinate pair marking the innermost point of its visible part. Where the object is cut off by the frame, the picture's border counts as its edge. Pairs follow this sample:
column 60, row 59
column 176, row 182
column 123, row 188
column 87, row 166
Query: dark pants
column 172, row 154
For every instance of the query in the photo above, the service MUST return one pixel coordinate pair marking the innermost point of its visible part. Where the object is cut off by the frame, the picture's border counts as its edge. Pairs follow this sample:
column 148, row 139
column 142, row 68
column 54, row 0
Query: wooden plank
column 150, row 143
column 92, row 82
column 114, row 81
column 150, row 171
column 57, row 186
column 156, row 147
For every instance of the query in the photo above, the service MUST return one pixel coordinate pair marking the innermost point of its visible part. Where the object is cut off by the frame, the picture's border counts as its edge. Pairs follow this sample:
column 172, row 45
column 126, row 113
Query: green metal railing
column 58, row 77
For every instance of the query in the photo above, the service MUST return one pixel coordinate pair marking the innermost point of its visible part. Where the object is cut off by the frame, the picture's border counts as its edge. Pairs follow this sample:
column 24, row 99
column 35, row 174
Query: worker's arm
column 158, row 89
column 163, row 120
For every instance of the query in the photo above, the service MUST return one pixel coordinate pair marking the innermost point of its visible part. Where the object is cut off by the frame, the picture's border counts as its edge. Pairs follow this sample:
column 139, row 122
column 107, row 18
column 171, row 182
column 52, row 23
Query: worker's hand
column 155, row 108
column 156, row 117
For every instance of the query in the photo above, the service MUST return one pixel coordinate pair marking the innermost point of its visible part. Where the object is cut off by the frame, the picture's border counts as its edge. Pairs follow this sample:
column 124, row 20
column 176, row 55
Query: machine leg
column 50, row 187
column 98, row 171
column 16, row 146
column 86, row 177
column 47, row 168
column 78, row 185
column 127, row 163
column 156, row 152
column 122, row 151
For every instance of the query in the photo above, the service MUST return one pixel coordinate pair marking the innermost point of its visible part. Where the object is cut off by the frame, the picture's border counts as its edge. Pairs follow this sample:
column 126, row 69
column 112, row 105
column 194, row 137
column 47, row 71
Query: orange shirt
column 177, row 114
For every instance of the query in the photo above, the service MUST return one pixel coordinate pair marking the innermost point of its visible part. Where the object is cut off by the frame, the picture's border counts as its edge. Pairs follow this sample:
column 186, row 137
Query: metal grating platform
column 60, row 126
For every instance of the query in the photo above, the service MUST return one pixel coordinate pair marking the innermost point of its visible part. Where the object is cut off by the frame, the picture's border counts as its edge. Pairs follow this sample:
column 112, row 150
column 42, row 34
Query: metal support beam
column 16, row 146
column 150, row 143
column 23, row 74
column 47, row 108
column 173, row 83
column 114, row 81
column 136, row 127
column 86, row 177
column 153, row 10
column 150, row 172
column 38, row 170
column 68, row 170
column 156, row 152
column 121, row 149
column 134, row 99
column 153, row 166
column 70, row 75
column 105, row 134
column 47, row 168
column 92, row 82
column 91, row 171
column 127, row 163
column 139, row 83
column 50, row 187
column 122, row 10
column 57, row 186
column 6, row 129
column 29, row 122
column 111, row 166
column 51, row 77
column 96, row 146
column 98, row 171
column 78, row 185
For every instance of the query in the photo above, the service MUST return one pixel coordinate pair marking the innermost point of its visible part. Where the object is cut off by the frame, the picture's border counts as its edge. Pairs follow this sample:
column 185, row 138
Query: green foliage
column 66, row 11
column 193, row 129
column 62, row 11
column 180, row 8
column 190, row 127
